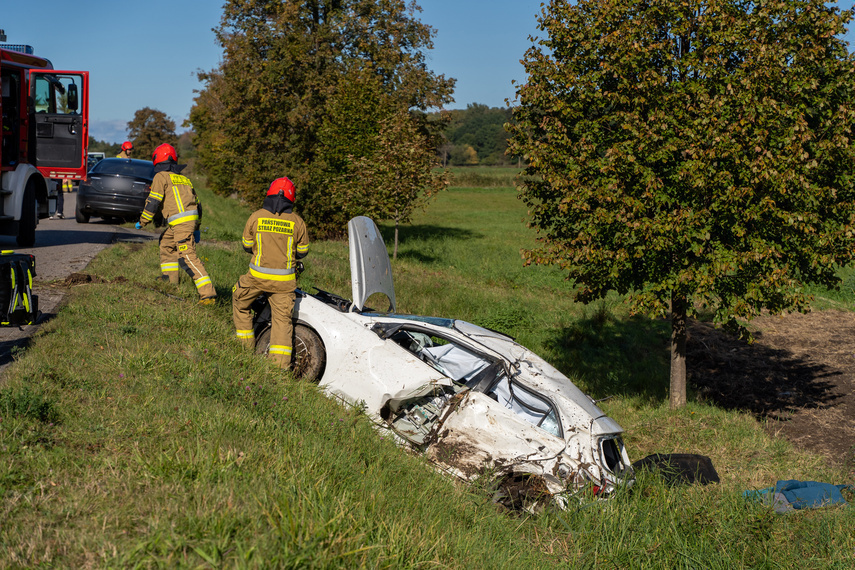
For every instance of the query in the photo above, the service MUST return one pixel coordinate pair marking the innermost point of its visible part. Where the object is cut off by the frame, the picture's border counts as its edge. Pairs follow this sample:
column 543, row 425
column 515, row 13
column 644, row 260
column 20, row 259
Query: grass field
column 135, row 433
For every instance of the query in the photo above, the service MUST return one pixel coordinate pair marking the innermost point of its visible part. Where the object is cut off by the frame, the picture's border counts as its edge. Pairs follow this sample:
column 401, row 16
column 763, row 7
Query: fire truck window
column 57, row 94
column 44, row 102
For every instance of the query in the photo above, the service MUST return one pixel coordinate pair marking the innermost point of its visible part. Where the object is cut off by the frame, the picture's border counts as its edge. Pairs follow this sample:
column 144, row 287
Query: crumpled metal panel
column 481, row 435
column 365, row 368
column 370, row 269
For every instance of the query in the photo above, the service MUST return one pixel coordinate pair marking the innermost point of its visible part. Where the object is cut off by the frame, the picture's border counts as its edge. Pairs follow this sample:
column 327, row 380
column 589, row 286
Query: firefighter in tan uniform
column 127, row 148
column 276, row 237
column 174, row 194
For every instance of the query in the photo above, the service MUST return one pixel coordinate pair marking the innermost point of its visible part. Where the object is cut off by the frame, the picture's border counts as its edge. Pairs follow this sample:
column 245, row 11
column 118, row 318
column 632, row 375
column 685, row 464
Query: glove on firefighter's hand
column 299, row 267
column 197, row 236
column 138, row 226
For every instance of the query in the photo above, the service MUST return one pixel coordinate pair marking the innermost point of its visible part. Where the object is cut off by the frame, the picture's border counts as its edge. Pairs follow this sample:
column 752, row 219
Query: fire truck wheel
column 27, row 225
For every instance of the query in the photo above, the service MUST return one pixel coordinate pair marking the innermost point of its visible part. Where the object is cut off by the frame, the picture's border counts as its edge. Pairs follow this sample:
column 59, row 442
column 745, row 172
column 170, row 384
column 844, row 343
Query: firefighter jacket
column 173, row 192
column 123, row 154
column 276, row 242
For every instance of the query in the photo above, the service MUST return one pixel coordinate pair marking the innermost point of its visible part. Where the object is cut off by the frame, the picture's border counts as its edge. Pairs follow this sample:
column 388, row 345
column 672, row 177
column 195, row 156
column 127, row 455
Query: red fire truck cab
column 45, row 131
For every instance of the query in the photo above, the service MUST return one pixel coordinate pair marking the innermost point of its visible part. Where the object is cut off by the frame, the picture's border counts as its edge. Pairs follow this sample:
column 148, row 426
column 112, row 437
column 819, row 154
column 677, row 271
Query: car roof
column 117, row 159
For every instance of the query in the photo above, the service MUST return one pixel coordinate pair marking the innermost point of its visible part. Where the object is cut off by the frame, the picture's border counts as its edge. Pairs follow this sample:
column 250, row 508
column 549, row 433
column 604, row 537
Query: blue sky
column 146, row 54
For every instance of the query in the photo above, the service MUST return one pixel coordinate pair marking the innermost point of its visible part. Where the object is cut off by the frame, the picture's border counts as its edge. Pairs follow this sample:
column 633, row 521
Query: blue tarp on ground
column 792, row 494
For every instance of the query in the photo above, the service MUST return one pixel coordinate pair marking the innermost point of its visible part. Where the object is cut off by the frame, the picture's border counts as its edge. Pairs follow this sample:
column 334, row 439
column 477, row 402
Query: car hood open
column 370, row 269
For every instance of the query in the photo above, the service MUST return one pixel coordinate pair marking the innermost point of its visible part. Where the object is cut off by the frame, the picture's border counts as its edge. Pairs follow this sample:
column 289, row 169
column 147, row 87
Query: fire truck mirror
column 71, row 98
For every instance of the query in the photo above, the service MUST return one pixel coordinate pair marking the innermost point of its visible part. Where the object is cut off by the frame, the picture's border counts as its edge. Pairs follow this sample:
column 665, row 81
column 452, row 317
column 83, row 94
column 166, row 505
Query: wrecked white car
column 475, row 402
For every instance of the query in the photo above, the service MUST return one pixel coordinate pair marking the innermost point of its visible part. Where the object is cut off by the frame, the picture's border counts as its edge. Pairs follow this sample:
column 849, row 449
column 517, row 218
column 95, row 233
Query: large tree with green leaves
column 290, row 68
column 149, row 129
column 691, row 153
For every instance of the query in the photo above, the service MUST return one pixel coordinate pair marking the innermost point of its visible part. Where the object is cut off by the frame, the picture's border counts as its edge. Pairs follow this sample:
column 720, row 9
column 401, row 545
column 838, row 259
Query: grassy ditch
column 135, row 432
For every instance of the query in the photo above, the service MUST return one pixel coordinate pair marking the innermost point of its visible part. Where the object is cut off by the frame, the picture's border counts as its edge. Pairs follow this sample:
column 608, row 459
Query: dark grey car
column 114, row 188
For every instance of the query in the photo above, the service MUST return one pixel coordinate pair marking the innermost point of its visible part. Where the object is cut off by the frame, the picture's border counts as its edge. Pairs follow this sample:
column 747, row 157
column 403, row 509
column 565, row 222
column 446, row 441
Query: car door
column 59, row 122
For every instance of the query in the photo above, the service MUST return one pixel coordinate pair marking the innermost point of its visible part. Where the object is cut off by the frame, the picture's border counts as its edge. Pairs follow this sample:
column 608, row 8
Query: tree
column 691, row 153
column 483, row 129
column 398, row 176
column 286, row 66
column 109, row 149
column 149, row 129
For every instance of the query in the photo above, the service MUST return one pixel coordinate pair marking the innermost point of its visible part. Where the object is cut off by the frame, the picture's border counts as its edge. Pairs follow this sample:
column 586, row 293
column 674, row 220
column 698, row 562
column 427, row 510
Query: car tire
column 81, row 216
column 309, row 357
column 27, row 226
column 262, row 341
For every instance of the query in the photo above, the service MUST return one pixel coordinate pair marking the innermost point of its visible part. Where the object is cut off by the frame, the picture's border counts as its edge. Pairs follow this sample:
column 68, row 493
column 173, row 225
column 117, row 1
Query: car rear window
column 125, row 168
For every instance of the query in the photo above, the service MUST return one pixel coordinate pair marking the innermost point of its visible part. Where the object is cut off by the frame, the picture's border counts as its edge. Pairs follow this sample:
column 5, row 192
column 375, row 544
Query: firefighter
column 127, row 147
column 174, row 193
column 276, row 237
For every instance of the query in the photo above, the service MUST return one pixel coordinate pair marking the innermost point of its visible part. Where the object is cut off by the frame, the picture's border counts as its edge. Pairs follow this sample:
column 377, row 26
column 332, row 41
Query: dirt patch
column 799, row 374
column 83, row 278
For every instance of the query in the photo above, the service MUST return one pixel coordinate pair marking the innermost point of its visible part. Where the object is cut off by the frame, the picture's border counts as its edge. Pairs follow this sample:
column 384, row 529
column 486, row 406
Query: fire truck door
column 59, row 122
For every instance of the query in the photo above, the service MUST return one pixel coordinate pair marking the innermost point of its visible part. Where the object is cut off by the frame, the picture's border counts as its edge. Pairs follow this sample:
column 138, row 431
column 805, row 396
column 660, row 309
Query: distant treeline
column 186, row 152
column 477, row 136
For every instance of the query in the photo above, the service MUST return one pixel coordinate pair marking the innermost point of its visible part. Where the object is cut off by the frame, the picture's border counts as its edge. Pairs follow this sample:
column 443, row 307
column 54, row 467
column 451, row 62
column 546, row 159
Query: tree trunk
column 395, row 250
column 678, row 351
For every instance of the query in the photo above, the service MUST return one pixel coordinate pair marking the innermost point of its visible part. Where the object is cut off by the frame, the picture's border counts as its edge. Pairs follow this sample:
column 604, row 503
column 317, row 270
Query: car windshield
column 436, row 321
column 137, row 169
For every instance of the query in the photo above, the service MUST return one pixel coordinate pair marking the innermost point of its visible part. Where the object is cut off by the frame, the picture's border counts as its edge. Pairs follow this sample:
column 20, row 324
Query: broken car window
column 480, row 374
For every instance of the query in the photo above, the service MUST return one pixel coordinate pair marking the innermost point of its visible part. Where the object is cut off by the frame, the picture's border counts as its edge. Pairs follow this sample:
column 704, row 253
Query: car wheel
column 262, row 342
column 79, row 215
column 27, row 225
column 309, row 358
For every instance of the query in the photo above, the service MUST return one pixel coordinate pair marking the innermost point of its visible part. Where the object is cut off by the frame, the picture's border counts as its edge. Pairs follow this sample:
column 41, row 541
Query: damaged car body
column 474, row 401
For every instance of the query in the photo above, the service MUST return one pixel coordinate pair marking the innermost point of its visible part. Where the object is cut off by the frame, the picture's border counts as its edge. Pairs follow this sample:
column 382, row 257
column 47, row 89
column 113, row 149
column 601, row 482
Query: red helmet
column 127, row 145
column 283, row 185
column 164, row 152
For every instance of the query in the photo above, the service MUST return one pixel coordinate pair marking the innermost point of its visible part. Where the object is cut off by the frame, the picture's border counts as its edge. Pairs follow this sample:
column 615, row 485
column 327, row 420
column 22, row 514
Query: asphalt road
column 62, row 247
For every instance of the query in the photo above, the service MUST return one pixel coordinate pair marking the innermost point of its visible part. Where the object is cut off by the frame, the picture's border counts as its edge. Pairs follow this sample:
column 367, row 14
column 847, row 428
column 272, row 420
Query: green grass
column 134, row 432
column 483, row 176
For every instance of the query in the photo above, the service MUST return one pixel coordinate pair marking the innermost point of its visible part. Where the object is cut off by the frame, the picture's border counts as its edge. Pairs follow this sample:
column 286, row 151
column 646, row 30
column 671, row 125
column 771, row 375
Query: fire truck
column 45, row 124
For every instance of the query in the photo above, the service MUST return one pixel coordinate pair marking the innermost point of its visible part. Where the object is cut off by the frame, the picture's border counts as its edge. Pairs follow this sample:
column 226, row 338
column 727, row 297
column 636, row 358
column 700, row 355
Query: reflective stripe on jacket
column 277, row 241
column 174, row 193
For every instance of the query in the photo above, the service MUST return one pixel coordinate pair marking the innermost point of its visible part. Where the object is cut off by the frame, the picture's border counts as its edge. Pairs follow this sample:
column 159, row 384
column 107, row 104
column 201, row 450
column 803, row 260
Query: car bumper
column 119, row 206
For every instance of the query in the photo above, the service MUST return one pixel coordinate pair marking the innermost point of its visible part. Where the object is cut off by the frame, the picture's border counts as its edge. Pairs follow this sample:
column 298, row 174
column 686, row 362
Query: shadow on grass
column 632, row 358
column 761, row 380
column 615, row 357
column 425, row 234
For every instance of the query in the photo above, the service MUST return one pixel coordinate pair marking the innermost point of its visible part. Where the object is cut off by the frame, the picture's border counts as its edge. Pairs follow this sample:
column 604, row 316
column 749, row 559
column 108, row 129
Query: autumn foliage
column 694, row 151
column 304, row 90
column 149, row 129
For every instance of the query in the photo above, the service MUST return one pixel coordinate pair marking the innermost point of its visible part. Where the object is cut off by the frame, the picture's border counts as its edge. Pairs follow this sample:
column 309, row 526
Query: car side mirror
column 71, row 98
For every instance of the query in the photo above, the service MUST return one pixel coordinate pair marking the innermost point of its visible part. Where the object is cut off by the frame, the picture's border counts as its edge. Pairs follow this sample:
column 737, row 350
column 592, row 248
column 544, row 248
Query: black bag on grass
column 18, row 305
column 677, row 468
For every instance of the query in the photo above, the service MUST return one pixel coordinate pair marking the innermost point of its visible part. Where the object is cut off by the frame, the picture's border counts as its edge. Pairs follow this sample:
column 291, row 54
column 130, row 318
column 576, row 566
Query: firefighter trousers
column 178, row 251
column 280, row 295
